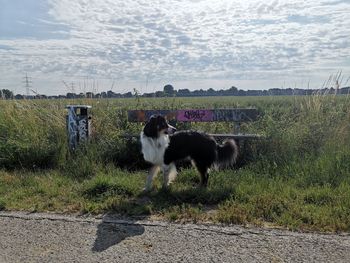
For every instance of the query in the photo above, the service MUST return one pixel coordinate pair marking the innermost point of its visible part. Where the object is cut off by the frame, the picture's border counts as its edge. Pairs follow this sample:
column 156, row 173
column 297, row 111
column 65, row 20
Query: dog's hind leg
column 151, row 174
column 169, row 172
column 204, row 173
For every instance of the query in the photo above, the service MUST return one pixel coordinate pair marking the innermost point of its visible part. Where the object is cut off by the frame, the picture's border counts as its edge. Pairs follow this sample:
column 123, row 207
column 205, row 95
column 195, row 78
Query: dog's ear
column 161, row 122
column 150, row 129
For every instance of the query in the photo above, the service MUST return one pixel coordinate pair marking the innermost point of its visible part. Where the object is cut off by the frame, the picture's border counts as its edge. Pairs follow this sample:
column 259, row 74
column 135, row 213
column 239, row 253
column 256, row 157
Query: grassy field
column 298, row 177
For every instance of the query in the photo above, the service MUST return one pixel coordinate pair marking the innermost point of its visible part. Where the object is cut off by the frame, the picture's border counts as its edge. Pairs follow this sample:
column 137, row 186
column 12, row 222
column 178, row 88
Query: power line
column 28, row 84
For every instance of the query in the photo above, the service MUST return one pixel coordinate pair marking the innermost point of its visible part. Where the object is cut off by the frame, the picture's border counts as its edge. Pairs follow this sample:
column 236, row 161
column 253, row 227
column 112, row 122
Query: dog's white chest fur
column 153, row 149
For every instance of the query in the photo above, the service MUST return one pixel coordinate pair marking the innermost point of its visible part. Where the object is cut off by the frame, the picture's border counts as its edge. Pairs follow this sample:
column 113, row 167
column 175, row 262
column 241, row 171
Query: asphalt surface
column 57, row 238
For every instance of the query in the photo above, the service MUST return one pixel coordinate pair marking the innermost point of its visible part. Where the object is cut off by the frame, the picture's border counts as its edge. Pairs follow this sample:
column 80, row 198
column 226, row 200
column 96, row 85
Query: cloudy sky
column 143, row 44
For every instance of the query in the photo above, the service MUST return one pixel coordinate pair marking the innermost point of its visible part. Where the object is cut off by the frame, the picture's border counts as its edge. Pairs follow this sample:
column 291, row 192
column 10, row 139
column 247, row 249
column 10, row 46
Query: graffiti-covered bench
column 236, row 116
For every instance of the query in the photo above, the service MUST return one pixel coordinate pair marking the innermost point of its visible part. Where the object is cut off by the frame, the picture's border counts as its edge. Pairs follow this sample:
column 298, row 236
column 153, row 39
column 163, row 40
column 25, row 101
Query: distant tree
column 184, row 92
column 127, row 95
column 168, row 90
column 110, row 94
column 159, row 93
column 19, row 97
column 233, row 90
column 148, row 95
column 6, row 94
column 345, row 90
column 71, row 95
column 199, row 93
column 241, row 92
column 211, row 92
column 89, row 95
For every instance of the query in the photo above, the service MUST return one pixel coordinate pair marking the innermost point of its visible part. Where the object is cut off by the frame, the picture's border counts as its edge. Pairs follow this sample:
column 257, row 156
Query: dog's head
column 156, row 126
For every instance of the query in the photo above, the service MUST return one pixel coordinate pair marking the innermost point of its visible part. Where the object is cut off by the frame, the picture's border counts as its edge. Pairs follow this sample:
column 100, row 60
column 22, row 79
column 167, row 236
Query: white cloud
column 182, row 41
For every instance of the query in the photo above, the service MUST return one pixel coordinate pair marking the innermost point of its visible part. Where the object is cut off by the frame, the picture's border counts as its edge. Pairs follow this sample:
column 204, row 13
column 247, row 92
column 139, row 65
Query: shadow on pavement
column 110, row 233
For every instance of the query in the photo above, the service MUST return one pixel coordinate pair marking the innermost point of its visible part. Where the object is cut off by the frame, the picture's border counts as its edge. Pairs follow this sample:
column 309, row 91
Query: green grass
column 238, row 197
column 298, row 177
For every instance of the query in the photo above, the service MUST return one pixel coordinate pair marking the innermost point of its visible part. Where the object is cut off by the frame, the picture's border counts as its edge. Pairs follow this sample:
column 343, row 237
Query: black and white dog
column 162, row 150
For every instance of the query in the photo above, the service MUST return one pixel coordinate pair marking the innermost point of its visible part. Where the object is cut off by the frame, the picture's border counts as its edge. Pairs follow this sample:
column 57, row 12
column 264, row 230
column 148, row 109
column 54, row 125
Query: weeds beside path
column 236, row 197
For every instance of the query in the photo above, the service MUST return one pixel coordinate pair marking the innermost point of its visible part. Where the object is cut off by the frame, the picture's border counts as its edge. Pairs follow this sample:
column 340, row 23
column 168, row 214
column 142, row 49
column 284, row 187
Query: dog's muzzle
column 171, row 129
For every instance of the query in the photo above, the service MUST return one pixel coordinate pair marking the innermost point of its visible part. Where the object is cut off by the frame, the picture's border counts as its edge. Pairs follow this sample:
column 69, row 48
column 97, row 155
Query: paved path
column 56, row 238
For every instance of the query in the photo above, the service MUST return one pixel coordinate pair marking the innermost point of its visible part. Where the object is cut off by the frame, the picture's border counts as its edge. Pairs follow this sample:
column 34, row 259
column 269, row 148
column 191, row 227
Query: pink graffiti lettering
column 195, row 115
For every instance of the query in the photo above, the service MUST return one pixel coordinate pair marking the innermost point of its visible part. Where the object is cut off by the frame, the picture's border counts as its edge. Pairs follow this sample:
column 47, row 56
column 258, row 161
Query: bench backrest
column 197, row 115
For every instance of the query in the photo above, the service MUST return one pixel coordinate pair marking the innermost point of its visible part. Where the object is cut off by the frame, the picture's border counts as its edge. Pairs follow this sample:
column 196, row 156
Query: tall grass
column 298, row 176
column 305, row 135
column 31, row 136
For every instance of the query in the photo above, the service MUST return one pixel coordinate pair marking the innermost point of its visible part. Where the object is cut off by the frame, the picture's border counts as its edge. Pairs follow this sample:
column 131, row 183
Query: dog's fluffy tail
column 227, row 153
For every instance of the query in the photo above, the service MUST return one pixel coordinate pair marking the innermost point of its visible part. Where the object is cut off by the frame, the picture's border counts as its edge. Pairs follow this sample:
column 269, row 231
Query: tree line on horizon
column 169, row 91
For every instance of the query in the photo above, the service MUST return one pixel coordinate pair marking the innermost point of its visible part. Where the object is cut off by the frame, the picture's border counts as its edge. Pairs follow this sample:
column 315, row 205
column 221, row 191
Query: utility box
column 78, row 125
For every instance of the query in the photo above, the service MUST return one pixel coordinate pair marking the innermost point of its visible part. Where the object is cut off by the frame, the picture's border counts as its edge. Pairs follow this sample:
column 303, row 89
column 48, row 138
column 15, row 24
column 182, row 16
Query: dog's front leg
column 169, row 173
column 151, row 174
